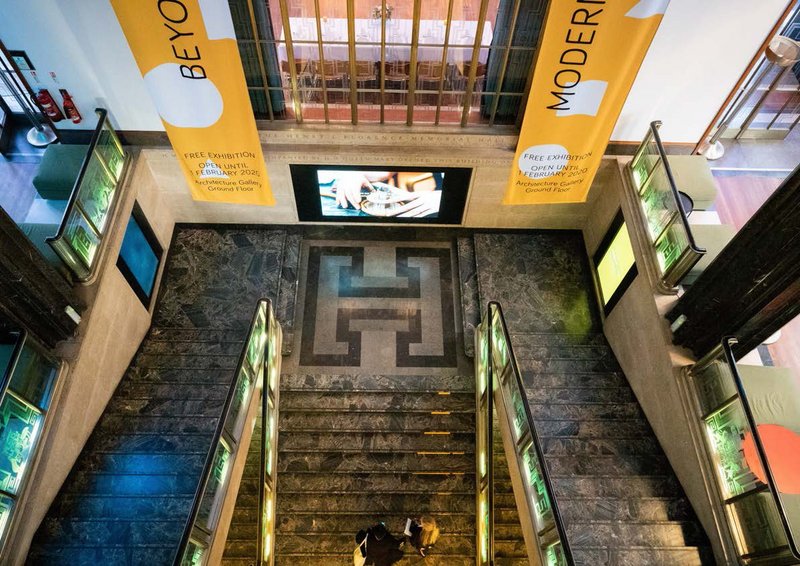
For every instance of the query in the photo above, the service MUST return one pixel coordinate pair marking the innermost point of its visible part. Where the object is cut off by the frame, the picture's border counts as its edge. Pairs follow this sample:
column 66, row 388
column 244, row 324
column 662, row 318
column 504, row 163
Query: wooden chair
column 429, row 75
column 480, row 81
column 397, row 77
column 366, row 78
column 334, row 73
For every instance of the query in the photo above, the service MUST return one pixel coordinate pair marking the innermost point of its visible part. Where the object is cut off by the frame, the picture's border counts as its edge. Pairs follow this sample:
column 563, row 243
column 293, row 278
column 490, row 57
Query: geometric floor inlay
column 378, row 305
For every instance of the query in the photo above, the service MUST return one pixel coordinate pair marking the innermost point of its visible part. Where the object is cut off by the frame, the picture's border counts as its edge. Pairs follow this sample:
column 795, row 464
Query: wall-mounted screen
column 140, row 256
column 380, row 194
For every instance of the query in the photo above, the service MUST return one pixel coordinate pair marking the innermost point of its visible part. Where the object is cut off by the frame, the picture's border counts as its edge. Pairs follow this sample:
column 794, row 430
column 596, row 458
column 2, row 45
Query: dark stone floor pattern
column 619, row 497
column 129, row 494
column 392, row 301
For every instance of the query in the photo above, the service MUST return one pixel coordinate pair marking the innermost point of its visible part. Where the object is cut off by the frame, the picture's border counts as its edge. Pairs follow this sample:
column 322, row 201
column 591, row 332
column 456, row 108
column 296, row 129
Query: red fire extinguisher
column 49, row 105
column 69, row 107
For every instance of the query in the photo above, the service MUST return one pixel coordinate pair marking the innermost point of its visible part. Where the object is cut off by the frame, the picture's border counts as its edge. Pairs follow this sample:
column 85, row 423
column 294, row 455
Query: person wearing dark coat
column 382, row 548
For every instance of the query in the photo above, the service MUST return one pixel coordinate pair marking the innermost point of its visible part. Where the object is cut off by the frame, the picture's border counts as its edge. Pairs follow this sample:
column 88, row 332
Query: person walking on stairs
column 422, row 533
column 380, row 548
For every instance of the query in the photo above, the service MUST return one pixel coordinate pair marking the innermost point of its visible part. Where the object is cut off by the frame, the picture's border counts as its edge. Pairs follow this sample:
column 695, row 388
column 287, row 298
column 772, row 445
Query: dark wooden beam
column 751, row 289
column 33, row 294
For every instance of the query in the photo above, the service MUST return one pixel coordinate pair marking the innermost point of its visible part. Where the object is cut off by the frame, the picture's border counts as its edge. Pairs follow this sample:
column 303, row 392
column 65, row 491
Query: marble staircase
column 129, row 494
column 357, row 449
column 619, row 498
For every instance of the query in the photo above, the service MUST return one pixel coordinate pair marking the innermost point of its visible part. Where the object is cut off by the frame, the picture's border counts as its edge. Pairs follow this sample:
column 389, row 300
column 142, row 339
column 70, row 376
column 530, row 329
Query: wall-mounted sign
column 21, row 60
column 187, row 53
column 590, row 54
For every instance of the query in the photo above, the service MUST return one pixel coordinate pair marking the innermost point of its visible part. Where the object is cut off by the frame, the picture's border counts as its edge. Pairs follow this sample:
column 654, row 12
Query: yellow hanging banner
column 589, row 57
column 187, row 53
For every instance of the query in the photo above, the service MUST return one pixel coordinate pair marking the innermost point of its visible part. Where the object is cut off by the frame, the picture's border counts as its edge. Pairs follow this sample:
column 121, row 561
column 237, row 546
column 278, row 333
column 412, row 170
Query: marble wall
column 490, row 156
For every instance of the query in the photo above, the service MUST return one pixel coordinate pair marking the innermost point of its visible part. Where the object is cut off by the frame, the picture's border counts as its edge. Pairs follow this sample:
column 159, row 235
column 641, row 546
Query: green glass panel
column 756, row 522
column 194, row 553
column 482, row 358
column 641, row 169
column 658, row 205
column 555, row 555
column 536, row 488
column 81, row 237
column 269, row 435
column 500, row 353
column 725, row 431
column 96, row 193
column 108, row 149
column 19, row 432
column 714, row 386
column 34, row 376
column 671, row 245
column 517, row 404
column 211, row 503
column 274, row 354
column 6, row 510
column 239, row 402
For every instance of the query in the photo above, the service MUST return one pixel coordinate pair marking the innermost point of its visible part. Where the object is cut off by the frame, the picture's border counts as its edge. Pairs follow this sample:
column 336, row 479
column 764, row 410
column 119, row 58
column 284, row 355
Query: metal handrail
column 727, row 348
column 673, row 187
column 207, row 465
column 551, row 494
column 262, row 466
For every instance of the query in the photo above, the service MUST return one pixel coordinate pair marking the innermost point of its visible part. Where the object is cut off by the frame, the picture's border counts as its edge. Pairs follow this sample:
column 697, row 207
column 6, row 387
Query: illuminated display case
column 28, row 380
column 751, row 504
column 258, row 370
column 92, row 201
column 673, row 248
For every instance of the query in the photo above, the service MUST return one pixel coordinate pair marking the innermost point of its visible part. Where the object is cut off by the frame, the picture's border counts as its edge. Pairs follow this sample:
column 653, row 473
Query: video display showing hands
column 381, row 193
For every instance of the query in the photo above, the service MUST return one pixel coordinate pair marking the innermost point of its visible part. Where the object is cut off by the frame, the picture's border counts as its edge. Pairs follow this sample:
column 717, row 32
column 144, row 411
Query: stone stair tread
column 648, row 509
column 580, row 395
column 644, row 556
column 414, row 384
column 368, row 441
column 337, row 543
column 453, row 523
column 557, row 338
column 362, row 462
column 596, row 380
column 336, row 401
column 408, row 504
column 585, row 411
column 361, row 422
column 374, row 481
column 612, row 429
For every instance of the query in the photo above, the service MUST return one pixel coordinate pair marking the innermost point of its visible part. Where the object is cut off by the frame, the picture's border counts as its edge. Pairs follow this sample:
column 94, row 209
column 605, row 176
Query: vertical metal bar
column 321, row 60
column 447, row 25
column 779, row 112
column 473, row 68
column 752, row 116
column 351, row 48
column 261, row 67
column 382, row 70
column 507, row 53
column 412, row 71
column 287, row 32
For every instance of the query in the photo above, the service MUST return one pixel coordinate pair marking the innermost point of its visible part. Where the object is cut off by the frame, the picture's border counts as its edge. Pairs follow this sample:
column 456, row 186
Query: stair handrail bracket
column 510, row 401
column 252, row 369
column 720, row 393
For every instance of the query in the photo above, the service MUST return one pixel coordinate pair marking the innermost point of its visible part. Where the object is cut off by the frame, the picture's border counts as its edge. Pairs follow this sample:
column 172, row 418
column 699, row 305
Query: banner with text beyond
column 187, row 53
column 589, row 57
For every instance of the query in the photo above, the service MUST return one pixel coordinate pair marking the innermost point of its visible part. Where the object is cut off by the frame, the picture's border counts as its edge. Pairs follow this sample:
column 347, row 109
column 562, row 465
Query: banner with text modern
column 589, row 57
